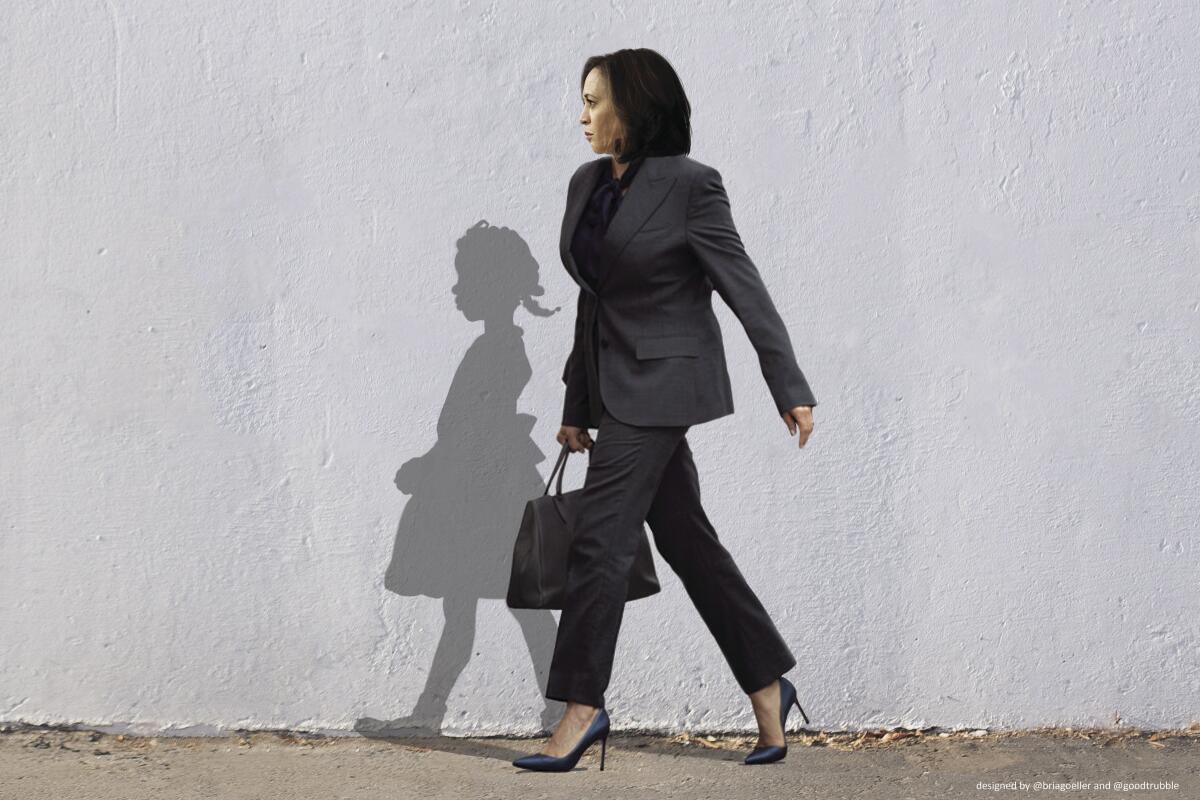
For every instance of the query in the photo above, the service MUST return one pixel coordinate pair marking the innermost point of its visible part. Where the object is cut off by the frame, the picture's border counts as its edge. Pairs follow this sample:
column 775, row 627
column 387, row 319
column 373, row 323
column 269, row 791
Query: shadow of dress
column 468, row 492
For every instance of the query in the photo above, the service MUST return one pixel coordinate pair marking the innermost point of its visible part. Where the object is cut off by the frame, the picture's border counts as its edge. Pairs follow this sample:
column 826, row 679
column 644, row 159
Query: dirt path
column 41, row 764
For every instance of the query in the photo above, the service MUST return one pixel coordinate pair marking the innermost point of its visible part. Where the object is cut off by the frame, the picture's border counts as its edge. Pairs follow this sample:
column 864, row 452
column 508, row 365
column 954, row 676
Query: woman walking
column 648, row 235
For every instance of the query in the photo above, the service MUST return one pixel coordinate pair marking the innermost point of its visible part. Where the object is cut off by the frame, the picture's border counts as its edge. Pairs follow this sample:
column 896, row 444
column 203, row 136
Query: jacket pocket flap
column 664, row 346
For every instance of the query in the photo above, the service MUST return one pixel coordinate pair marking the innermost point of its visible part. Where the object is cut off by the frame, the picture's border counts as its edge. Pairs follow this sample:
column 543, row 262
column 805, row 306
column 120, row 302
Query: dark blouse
column 602, row 206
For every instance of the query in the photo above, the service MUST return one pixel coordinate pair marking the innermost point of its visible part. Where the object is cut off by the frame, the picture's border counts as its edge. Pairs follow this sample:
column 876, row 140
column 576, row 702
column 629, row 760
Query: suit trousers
column 642, row 474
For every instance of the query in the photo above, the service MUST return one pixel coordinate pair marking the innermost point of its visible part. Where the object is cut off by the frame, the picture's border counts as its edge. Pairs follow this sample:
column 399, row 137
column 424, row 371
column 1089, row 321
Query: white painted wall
column 229, row 237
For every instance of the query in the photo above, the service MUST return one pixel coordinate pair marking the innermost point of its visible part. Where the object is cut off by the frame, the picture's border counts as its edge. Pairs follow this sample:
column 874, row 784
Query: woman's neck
column 618, row 169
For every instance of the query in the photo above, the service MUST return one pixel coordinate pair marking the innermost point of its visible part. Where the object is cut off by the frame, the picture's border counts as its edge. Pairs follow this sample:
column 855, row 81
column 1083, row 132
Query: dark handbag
column 539, row 564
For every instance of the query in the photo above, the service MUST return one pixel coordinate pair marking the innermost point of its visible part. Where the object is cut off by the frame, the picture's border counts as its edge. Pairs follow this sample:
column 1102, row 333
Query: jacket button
column 604, row 342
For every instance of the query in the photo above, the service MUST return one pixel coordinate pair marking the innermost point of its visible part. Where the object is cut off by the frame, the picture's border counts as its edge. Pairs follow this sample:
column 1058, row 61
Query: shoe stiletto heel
column 771, row 752
column 541, row 762
column 802, row 714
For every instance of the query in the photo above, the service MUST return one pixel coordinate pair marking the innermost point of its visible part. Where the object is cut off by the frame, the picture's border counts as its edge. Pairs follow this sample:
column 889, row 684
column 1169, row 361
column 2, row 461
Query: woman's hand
column 799, row 419
column 578, row 438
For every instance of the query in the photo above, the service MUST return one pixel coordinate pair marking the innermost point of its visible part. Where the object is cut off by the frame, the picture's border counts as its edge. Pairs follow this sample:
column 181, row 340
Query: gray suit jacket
column 661, row 359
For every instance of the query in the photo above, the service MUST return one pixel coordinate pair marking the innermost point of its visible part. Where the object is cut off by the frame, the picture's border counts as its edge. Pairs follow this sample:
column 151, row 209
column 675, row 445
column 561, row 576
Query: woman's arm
column 714, row 239
column 575, row 402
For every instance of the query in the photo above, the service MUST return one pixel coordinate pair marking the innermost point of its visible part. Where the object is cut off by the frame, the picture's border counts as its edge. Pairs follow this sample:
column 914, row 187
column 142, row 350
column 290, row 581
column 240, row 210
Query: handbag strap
column 560, row 468
column 565, row 455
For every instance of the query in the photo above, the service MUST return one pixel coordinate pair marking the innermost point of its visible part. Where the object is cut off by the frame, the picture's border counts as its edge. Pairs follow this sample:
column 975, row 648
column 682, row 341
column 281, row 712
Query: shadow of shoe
column 398, row 727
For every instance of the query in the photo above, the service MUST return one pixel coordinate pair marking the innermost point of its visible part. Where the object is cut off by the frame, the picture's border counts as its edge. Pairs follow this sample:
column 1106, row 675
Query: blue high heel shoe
column 771, row 752
column 547, row 763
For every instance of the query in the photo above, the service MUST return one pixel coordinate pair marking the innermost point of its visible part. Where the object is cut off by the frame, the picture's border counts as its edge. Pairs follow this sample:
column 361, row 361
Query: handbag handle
column 560, row 467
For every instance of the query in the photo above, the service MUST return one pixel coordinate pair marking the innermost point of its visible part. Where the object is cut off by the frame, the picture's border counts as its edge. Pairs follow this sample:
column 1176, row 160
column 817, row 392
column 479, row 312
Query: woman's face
column 599, row 117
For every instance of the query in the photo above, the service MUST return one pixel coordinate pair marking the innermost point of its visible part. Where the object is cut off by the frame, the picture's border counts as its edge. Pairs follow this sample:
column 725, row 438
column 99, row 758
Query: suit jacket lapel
column 576, row 202
column 647, row 192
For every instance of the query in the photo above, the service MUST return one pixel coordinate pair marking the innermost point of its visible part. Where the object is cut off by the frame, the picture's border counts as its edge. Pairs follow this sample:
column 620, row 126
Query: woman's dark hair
column 649, row 101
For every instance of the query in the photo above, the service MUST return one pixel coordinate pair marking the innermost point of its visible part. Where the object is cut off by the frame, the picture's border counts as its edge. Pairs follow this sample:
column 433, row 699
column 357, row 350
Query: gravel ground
column 39, row 763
